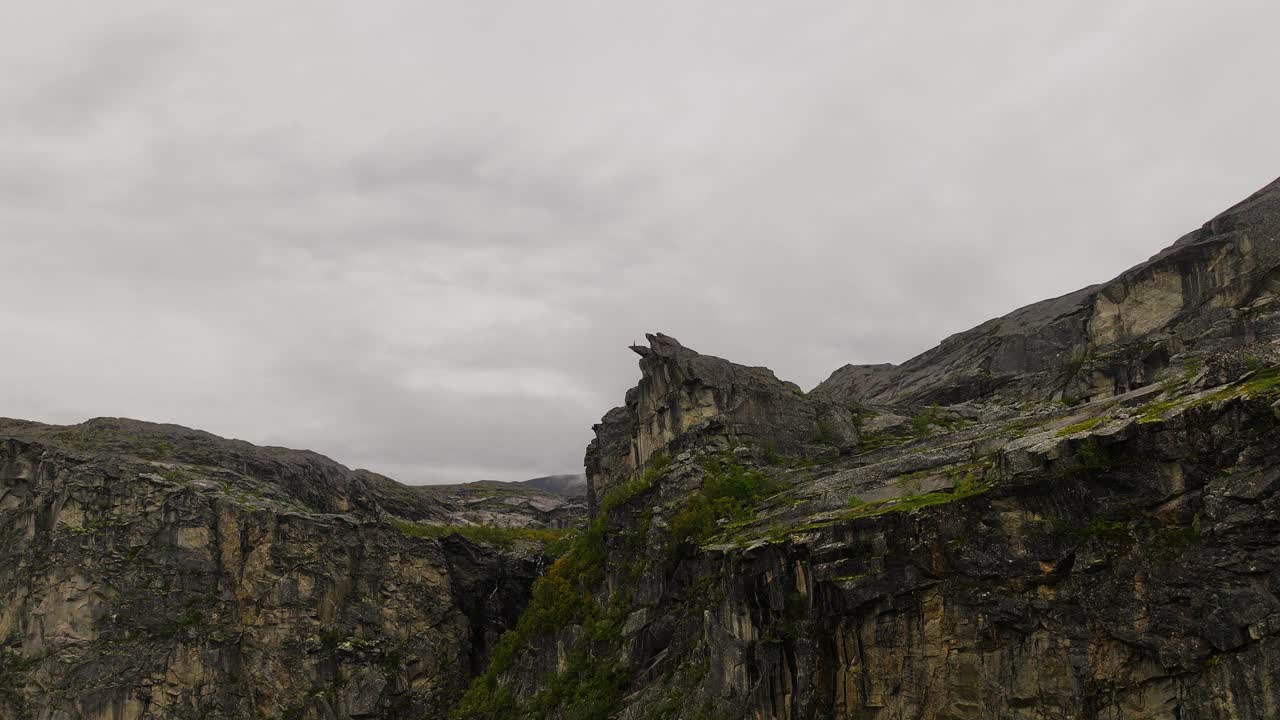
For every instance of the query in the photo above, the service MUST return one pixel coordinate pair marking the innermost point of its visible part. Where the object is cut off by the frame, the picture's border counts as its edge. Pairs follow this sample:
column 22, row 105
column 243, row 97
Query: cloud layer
column 416, row 236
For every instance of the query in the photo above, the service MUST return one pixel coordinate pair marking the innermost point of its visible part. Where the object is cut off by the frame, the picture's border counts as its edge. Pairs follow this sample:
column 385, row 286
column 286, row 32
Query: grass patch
column 1155, row 411
column 1081, row 426
column 656, row 467
column 969, row 481
column 877, row 440
column 730, row 492
column 932, row 420
column 89, row 440
column 1263, row 383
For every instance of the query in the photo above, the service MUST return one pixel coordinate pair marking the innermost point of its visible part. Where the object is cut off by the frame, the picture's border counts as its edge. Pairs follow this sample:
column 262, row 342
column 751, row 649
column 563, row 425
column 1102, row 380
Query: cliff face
column 151, row 571
column 1070, row 512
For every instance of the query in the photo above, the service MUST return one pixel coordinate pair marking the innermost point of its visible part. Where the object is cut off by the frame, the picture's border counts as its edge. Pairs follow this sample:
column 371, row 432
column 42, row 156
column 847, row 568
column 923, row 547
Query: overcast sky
column 417, row 236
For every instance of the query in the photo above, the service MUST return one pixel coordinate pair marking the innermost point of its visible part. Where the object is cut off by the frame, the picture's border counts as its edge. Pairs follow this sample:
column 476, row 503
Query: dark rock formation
column 156, row 572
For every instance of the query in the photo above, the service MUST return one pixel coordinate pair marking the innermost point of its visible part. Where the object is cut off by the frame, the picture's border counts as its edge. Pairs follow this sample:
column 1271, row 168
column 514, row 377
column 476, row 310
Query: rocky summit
column 1068, row 512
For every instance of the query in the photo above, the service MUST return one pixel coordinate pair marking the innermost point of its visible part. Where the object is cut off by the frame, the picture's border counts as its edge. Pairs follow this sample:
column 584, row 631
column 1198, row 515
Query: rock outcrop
column 1071, row 512
column 684, row 398
column 153, row 572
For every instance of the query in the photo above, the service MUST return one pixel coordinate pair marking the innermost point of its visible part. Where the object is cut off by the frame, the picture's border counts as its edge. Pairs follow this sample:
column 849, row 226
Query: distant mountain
column 559, row 484
column 554, row 501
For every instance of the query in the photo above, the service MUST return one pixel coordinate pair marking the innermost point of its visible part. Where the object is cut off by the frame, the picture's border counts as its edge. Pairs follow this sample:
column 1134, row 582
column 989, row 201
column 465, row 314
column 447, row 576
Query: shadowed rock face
column 152, row 571
column 1007, row 555
column 1214, row 289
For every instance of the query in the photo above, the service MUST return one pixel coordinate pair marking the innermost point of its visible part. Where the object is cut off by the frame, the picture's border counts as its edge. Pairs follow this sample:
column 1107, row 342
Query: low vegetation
column 565, row 597
column 730, row 492
column 878, row 440
column 931, row 420
column 967, row 481
column 1264, row 382
column 654, row 468
column 593, row 682
column 92, row 441
column 1082, row 426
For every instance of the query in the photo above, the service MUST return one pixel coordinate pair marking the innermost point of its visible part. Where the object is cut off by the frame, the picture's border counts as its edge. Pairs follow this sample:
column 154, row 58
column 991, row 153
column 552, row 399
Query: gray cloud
column 107, row 75
column 417, row 237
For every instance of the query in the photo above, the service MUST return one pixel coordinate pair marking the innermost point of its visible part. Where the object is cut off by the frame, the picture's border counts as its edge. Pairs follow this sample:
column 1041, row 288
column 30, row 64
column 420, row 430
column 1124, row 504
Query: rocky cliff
column 1069, row 512
column 153, row 572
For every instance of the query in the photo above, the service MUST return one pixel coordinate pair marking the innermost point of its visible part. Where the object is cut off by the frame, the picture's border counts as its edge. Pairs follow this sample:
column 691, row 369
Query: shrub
column 654, row 468
column 924, row 423
column 730, row 491
column 1081, row 426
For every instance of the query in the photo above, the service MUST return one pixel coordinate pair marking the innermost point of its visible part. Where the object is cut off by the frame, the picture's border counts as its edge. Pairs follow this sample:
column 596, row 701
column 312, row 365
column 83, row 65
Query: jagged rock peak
column 683, row 395
column 662, row 346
